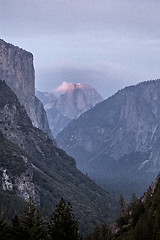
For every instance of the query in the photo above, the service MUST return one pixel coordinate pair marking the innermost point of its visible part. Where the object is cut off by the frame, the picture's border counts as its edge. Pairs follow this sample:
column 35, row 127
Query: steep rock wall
column 16, row 68
column 16, row 171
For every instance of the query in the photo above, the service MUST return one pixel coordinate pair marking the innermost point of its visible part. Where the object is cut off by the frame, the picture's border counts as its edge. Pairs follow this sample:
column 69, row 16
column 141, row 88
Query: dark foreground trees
column 100, row 233
column 4, row 229
column 139, row 220
column 63, row 224
column 31, row 226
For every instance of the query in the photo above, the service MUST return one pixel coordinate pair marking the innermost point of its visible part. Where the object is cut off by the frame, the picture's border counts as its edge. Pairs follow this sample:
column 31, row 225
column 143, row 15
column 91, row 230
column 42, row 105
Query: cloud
column 62, row 88
column 69, row 16
column 106, row 80
column 105, row 43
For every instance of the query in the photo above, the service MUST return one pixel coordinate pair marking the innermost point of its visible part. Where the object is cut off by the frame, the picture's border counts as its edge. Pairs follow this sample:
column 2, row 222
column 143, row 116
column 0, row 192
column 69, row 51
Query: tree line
column 138, row 220
column 62, row 224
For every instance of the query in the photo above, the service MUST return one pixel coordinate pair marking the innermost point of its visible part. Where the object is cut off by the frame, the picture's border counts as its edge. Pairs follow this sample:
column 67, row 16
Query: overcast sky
column 108, row 44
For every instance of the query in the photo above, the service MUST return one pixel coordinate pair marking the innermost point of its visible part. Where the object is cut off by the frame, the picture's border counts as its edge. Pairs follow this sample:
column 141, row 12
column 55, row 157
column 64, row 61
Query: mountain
column 16, row 68
column 46, row 97
column 57, row 121
column 117, row 142
column 77, row 99
column 31, row 164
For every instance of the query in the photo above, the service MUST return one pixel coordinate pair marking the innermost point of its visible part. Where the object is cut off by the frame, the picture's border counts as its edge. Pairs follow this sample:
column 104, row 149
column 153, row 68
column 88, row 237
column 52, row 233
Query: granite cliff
column 117, row 142
column 16, row 68
column 78, row 98
column 16, row 172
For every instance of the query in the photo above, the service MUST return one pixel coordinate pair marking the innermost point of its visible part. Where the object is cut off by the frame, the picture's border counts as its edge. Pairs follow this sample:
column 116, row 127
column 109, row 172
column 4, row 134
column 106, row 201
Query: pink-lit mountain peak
column 73, row 100
column 69, row 87
column 73, row 86
column 77, row 98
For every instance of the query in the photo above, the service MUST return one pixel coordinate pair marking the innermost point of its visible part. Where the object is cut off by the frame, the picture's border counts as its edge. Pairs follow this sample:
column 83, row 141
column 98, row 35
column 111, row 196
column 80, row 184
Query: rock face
column 16, row 172
column 46, row 98
column 78, row 98
column 117, row 141
column 31, row 164
column 16, row 68
column 57, row 121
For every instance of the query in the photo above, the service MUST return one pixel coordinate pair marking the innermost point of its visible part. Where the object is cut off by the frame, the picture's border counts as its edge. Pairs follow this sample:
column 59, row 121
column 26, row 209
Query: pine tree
column 32, row 223
column 122, row 205
column 63, row 224
column 123, row 212
column 135, row 208
column 101, row 232
column 4, row 229
column 16, row 229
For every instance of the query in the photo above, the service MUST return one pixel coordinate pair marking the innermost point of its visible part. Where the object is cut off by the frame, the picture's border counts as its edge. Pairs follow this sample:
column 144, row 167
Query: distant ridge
column 120, row 148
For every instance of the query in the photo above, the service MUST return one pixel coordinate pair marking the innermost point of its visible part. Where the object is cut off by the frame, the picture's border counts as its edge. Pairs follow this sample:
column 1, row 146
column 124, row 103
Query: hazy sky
column 108, row 44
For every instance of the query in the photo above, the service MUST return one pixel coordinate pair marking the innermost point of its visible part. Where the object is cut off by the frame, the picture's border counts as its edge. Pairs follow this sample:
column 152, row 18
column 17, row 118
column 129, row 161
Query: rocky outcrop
column 117, row 141
column 151, row 190
column 41, row 118
column 16, row 68
column 16, row 172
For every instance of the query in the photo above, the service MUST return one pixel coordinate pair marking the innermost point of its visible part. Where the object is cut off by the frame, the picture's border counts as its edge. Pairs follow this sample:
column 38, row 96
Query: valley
column 103, row 148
